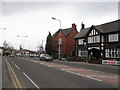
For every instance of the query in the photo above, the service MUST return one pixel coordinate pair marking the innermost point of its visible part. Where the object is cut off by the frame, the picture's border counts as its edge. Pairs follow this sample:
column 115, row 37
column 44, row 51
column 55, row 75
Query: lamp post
column 57, row 20
column 22, row 39
column 21, row 51
column 3, row 28
column 59, row 40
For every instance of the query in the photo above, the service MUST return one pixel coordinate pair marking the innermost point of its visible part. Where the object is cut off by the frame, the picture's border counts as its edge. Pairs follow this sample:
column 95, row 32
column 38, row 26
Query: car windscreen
column 47, row 55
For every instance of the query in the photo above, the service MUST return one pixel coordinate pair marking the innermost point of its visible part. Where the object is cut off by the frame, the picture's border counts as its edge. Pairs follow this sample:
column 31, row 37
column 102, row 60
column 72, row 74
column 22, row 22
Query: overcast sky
column 34, row 19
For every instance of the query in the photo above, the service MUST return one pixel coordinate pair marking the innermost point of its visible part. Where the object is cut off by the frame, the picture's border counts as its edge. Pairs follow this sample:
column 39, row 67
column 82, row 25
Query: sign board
column 111, row 62
column 60, row 41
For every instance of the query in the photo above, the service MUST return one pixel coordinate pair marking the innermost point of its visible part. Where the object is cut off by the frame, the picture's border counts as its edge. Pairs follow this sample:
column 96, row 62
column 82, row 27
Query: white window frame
column 80, row 41
column 112, row 53
column 113, row 37
column 79, row 53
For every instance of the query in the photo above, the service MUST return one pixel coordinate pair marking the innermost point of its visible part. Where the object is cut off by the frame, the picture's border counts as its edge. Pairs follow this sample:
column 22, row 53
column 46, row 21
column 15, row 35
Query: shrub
column 93, row 58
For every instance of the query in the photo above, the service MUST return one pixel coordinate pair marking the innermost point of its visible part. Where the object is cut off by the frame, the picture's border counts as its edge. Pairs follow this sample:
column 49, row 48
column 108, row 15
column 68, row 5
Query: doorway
column 94, row 53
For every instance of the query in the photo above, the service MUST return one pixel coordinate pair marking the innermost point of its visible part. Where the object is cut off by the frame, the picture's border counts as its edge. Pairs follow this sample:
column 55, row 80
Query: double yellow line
column 14, row 78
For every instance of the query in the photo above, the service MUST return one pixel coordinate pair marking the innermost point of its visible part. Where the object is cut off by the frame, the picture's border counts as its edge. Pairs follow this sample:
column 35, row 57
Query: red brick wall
column 68, row 43
column 71, row 42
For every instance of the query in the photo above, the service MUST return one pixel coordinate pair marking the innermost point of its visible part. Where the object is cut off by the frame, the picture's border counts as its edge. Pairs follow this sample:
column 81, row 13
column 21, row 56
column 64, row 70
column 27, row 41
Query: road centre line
column 31, row 80
column 17, row 66
column 82, row 75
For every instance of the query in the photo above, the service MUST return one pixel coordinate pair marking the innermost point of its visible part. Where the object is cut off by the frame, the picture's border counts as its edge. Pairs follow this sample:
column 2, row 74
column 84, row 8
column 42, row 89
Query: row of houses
column 101, row 41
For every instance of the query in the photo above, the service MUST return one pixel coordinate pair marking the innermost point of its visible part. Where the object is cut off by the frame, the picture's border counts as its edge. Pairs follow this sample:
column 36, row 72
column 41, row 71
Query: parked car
column 46, row 57
column 12, row 55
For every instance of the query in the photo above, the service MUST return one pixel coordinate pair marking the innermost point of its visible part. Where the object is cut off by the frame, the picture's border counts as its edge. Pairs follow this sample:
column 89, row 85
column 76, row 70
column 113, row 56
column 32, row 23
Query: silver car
column 46, row 57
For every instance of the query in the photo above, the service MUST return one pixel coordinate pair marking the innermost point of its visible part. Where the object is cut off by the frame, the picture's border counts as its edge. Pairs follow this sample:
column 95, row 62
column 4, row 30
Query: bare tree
column 40, row 48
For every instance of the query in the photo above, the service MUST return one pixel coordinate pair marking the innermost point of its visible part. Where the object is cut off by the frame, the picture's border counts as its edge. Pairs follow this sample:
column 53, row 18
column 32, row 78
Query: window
column 79, row 53
column 113, row 37
column 80, row 41
column 102, row 38
column 107, row 52
column 82, row 53
column 112, row 53
column 93, row 32
column 94, row 39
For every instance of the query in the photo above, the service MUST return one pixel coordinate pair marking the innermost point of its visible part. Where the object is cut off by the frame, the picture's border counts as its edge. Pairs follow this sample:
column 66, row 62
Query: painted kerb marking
column 16, row 81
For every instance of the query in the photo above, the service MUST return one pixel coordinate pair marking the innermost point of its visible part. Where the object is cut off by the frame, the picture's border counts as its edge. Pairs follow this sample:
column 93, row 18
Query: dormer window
column 113, row 37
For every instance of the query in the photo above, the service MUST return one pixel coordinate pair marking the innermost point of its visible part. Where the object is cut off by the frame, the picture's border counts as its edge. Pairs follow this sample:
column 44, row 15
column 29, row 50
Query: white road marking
column 82, row 75
column 31, row 80
column 17, row 66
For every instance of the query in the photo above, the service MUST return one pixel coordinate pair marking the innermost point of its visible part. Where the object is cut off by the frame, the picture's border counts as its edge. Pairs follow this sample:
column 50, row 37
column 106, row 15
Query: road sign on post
column 60, row 41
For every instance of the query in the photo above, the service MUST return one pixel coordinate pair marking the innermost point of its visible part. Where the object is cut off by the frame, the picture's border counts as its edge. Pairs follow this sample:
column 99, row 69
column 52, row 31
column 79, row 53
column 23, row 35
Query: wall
column 71, row 42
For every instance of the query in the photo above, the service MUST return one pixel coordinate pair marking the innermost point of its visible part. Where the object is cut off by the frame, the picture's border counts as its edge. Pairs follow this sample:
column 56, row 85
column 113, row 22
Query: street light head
column 4, row 28
column 53, row 18
column 18, row 36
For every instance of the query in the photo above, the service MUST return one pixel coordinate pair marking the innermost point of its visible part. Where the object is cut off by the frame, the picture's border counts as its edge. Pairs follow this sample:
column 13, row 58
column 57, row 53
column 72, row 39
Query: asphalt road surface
column 33, row 73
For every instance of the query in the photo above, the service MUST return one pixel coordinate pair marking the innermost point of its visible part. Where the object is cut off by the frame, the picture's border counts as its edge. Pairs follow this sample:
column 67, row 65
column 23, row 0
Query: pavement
column 5, row 76
column 0, row 72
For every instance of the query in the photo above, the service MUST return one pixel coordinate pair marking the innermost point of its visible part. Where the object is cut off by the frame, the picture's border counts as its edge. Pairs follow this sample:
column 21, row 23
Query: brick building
column 67, row 45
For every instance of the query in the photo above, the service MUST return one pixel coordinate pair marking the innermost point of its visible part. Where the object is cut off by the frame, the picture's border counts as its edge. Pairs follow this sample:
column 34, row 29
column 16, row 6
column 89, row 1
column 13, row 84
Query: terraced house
column 101, row 41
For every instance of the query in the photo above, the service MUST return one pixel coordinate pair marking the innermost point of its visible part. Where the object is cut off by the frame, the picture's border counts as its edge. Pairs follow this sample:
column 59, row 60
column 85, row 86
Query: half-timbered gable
column 101, row 41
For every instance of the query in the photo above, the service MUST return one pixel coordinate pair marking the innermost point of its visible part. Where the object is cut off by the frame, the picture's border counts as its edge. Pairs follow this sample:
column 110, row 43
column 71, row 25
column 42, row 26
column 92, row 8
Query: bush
column 95, row 61
column 77, row 59
column 55, row 55
column 93, row 58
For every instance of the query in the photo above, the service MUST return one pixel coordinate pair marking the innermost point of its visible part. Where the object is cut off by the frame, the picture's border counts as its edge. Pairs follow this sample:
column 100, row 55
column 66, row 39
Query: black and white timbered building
column 101, row 41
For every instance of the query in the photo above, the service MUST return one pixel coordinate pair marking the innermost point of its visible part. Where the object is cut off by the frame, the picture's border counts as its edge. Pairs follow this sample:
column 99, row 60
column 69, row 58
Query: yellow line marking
column 14, row 75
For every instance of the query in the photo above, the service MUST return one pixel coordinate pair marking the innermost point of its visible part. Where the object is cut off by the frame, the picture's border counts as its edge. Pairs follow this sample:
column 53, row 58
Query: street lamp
column 21, row 39
column 3, row 28
column 59, row 40
column 57, row 20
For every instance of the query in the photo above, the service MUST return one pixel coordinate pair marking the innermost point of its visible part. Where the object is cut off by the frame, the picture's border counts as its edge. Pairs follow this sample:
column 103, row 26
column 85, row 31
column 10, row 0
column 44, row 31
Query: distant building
column 101, row 41
column 1, row 51
column 67, row 41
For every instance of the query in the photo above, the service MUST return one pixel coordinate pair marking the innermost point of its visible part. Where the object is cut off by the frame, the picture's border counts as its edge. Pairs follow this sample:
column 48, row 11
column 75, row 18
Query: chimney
column 82, row 26
column 73, row 25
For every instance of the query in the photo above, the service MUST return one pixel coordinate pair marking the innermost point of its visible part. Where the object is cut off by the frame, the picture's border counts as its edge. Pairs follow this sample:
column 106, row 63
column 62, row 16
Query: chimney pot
column 73, row 25
column 82, row 26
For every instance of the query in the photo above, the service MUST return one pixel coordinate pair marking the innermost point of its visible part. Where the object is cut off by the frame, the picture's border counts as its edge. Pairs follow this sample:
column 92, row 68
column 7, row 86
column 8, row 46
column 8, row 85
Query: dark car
column 46, row 57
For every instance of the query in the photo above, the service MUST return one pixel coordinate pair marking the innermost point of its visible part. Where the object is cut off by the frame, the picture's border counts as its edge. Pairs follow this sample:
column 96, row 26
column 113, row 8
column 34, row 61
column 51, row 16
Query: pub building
column 101, row 41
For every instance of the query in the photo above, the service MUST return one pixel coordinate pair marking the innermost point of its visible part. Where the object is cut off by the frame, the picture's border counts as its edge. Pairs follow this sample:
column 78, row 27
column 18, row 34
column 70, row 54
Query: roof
column 66, row 31
column 82, row 33
column 103, row 28
column 108, row 27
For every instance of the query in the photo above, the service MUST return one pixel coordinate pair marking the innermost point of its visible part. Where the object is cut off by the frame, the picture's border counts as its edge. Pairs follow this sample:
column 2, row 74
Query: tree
column 48, row 47
column 5, row 45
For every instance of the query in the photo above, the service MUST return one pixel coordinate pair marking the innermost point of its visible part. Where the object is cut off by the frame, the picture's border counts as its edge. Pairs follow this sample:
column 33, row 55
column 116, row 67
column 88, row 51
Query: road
column 33, row 73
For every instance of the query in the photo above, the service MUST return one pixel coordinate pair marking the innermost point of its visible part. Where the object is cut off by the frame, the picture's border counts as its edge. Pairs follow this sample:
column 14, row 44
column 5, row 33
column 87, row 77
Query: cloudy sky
column 34, row 19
